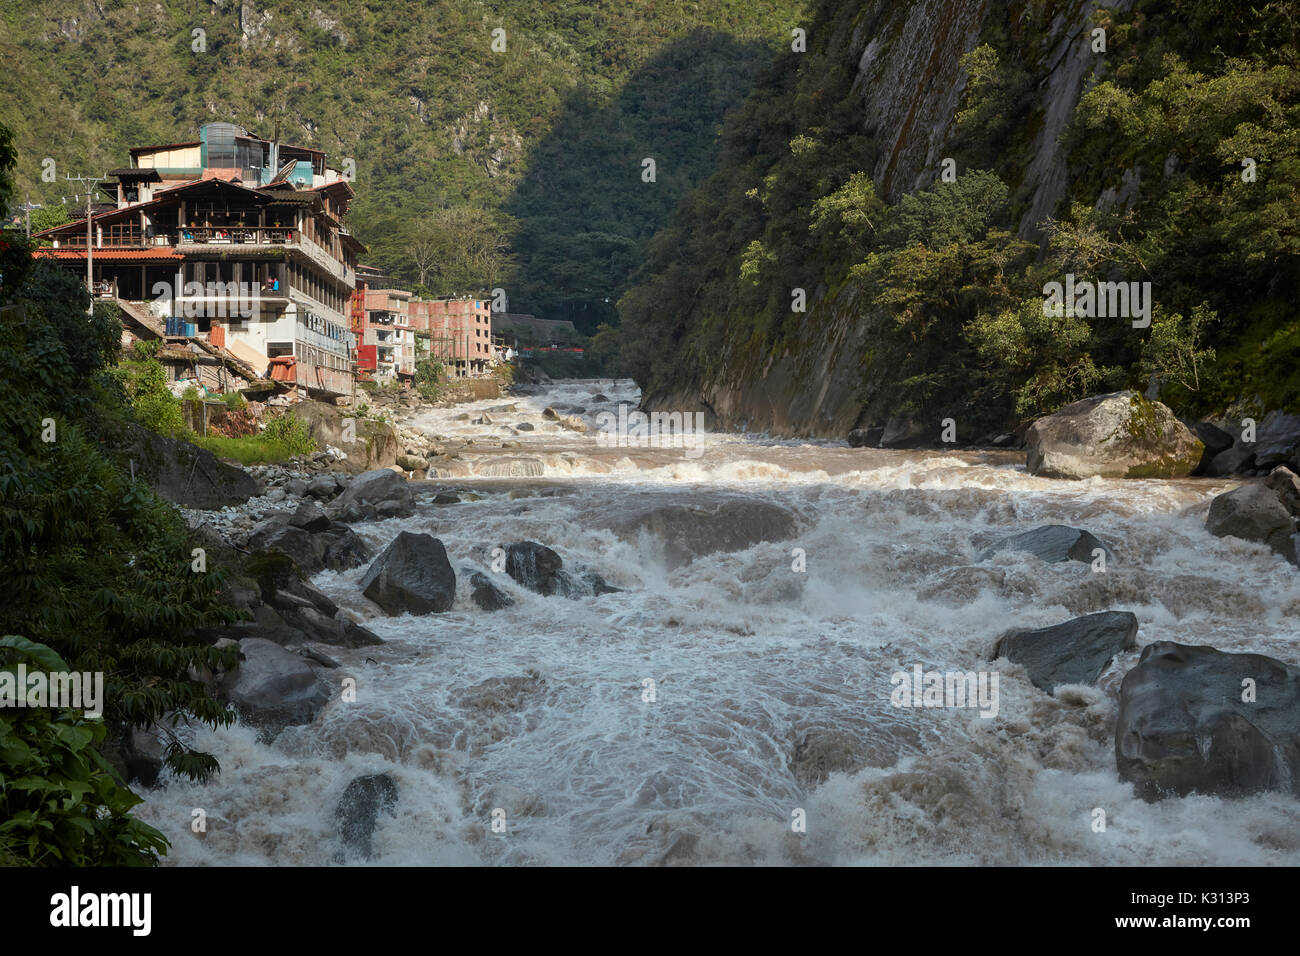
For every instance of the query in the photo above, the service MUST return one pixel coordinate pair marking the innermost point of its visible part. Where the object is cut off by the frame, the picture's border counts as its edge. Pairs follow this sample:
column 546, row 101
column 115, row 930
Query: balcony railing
column 236, row 235
column 190, row 235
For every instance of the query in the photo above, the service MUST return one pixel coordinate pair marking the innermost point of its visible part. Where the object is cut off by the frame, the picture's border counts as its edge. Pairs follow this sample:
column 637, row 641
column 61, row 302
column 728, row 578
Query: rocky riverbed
column 545, row 644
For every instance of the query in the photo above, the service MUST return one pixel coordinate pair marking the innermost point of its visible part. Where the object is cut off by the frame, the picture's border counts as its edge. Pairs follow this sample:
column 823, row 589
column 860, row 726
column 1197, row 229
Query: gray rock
column 720, row 522
column 487, row 595
column 324, row 487
column 411, row 576
column 534, row 566
column 182, row 473
column 1285, row 483
column 1234, row 461
column 358, row 810
column 1253, row 512
column 276, row 534
column 273, row 688
column 311, row 517
column 1277, row 441
column 295, row 487
column 1051, row 543
column 865, row 437
column 524, row 426
column 1183, row 726
column 1120, row 435
column 1215, row 440
column 1074, row 652
column 540, row 569
column 367, row 492
column 907, row 433
column 341, row 548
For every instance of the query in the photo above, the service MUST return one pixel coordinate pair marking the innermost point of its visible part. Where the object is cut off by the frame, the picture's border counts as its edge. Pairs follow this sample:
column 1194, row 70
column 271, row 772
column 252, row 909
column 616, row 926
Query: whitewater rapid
column 771, row 683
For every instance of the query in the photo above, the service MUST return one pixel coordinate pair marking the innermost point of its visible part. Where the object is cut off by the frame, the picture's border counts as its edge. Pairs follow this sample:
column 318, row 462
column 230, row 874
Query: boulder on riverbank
column 1073, row 652
column 1197, row 720
column 411, row 576
column 184, row 474
column 1120, row 435
column 335, row 546
column 381, row 493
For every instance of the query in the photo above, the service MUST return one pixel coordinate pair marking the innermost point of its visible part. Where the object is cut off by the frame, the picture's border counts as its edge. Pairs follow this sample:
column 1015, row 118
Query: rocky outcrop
column 288, row 610
column 374, row 444
column 1052, row 543
column 1197, row 720
column 411, row 576
column 1120, row 435
column 273, row 688
column 1074, row 652
column 184, row 474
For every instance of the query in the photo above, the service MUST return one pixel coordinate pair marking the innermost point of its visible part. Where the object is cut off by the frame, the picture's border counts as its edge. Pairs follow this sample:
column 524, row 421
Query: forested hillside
column 1177, row 163
column 475, row 167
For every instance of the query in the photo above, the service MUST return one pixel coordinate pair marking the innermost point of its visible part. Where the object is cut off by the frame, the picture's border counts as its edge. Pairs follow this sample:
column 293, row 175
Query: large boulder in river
column 358, row 810
column 538, row 568
column 684, row 532
column 411, row 576
column 1197, row 720
column 1253, row 512
column 273, row 688
column 382, row 493
column 182, row 473
column 1120, row 435
column 1074, row 652
column 485, row 594
column 1051, row 543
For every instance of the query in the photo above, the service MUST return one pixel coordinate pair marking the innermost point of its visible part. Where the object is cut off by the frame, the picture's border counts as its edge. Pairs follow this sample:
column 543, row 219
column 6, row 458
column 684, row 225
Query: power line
column 92, row 183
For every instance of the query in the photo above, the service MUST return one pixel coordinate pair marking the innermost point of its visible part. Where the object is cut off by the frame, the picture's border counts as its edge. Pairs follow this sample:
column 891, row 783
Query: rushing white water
column 772, row 685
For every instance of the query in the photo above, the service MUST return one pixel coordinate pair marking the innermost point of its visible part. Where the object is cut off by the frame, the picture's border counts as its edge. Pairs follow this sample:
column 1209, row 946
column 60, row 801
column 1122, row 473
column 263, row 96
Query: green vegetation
column 98, row 576
column 282, row 439
column 428, row 378
column 62, row 804
column 950, row 297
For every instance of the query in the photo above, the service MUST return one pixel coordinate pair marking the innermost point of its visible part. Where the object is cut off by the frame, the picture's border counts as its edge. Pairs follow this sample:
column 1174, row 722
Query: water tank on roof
column 301, row 177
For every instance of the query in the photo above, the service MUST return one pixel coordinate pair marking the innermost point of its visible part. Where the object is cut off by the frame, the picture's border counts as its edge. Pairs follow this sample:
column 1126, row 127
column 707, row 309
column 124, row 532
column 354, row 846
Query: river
column 768, row 734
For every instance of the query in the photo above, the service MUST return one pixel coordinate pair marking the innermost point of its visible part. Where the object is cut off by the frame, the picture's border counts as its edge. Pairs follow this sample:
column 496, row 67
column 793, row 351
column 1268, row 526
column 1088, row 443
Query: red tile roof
column 49, row 252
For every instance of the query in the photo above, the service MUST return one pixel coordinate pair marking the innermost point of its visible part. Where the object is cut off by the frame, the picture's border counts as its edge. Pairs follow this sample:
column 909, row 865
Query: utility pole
column 92, row 183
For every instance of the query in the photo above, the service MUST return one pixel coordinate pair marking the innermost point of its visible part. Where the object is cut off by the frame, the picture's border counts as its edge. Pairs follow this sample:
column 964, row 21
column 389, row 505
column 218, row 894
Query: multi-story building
column 234, row 241
column 458, row 333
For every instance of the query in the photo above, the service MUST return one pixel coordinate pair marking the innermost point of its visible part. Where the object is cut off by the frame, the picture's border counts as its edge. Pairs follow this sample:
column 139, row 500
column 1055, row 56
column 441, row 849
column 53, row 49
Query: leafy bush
column 428, row 378
column 61, row 803
column 292, row 434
